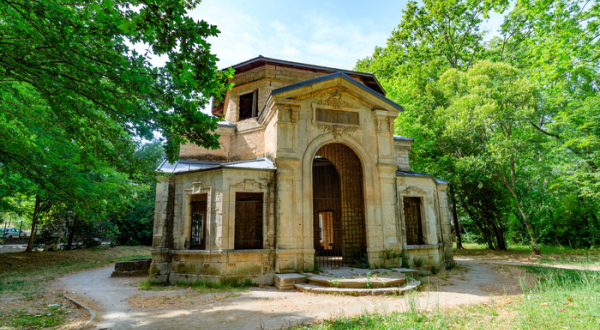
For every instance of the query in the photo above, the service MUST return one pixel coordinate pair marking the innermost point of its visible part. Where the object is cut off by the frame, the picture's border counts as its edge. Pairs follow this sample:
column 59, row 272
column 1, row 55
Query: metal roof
column 226, row 123
column 411, row 173
column 334, row 76
column 186, row 166
column 402, row 138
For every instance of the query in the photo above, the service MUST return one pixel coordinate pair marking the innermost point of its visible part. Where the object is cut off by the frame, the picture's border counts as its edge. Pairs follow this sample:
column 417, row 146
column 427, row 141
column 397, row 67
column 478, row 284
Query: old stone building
column 309, row 172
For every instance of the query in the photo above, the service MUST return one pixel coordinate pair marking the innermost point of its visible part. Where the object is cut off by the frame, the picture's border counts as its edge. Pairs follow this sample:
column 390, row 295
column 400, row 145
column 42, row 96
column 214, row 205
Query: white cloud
column 313, row 37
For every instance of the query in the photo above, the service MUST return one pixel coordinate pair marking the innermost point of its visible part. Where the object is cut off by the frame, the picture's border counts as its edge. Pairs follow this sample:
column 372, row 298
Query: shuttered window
column 248, row 221
column 414, row 225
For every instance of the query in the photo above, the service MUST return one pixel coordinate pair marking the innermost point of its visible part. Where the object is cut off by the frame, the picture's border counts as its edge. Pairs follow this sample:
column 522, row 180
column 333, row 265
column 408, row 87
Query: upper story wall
column 256, row 136
column 264, row 79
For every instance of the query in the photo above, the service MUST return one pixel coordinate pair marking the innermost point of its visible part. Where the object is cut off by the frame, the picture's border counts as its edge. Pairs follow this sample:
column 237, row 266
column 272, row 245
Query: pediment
column 338, row 91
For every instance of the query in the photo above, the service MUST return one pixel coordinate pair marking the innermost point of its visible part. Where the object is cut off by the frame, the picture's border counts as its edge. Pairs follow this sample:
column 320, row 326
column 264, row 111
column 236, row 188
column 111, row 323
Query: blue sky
column 330, row 33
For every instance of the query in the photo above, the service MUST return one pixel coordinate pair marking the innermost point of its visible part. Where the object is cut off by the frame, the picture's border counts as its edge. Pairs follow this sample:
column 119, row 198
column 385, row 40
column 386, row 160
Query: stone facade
column 299, row 110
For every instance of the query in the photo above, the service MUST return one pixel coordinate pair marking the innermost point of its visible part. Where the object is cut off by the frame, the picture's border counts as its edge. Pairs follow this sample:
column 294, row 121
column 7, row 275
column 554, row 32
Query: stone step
column 371, row 282
column 412, row 273
column 287, row 281
column 358, row 291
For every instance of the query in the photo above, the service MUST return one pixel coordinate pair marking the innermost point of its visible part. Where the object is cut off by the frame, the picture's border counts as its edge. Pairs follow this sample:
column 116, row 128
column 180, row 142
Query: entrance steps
column 351, row 281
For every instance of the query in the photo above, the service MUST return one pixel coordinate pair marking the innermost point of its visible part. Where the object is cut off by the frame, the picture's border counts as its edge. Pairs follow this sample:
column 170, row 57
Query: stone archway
column 338, row 207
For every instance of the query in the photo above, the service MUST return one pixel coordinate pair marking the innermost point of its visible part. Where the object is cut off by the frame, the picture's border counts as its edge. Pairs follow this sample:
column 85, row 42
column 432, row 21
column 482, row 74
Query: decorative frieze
column 337, row 130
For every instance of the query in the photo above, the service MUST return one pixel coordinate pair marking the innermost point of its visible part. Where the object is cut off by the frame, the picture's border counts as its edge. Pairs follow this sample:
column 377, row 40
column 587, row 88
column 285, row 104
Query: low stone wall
column 134, row 267
column 189, row 266
column 426, row 256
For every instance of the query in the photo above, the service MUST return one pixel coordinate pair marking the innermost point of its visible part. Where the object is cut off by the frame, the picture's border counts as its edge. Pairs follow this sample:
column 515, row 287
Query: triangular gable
column 333, row 76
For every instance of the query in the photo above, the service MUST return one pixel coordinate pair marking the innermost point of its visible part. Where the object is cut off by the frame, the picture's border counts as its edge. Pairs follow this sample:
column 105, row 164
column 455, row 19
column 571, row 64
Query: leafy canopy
column 76, row 97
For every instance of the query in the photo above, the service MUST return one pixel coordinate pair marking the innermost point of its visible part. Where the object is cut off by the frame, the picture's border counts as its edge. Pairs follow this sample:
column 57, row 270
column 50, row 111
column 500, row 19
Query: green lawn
column 550, row 254
column 27, row 272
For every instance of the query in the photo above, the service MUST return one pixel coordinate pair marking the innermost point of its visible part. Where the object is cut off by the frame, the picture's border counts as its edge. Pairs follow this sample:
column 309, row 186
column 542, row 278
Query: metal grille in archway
column 338, row 207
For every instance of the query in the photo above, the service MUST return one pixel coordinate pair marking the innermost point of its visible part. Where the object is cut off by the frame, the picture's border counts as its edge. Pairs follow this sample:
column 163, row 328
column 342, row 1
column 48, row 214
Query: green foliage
column 42, row 320
column 77, row 100
column 511, row 122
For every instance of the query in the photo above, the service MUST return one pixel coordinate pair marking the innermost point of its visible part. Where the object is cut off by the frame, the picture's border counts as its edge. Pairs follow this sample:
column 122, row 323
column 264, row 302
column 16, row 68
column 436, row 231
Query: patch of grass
column 201, row 286
column 27, row 272
column 22, row 320
column 550, row 254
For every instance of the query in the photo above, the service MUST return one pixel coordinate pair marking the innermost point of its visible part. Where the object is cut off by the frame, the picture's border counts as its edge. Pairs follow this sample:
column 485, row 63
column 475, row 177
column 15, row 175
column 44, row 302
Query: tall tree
column 492, row 105
column 74, row 60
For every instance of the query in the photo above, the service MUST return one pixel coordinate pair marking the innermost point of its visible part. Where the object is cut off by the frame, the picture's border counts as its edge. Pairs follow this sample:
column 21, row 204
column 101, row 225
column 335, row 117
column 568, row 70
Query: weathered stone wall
column 249, row 139
column 434, row 217
column 401, row 152
column 248, row 144
column 219, row 260
column 190, row 151
column 300, row 135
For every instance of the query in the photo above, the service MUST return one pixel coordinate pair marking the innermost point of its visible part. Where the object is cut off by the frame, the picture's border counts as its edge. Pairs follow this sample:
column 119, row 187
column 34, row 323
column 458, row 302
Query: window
column 249, row 105
column 198, row 207
column 248, row 221
column 412, row 216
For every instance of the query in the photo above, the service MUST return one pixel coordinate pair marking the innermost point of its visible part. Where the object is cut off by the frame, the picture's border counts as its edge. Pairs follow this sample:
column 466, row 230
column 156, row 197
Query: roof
column 331, row 76
column 402, row 138
column 411, row 173
column 186, row 166
column 225, row 123
column 261, row 60
column 367, row 78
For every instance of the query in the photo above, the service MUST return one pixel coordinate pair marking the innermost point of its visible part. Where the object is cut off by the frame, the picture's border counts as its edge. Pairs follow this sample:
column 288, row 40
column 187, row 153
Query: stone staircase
column 352, row 281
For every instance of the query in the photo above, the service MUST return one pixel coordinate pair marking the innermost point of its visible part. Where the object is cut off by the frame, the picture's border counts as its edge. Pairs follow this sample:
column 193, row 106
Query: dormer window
column 249, row 105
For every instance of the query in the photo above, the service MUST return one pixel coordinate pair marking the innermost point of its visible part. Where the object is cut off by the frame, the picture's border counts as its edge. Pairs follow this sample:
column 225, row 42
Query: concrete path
column 264, row 308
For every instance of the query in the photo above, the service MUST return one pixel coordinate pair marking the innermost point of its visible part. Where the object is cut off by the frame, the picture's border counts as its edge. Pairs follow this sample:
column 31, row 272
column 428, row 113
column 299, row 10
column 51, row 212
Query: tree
column 69, row 67
column 492, row 105
column 555, row 45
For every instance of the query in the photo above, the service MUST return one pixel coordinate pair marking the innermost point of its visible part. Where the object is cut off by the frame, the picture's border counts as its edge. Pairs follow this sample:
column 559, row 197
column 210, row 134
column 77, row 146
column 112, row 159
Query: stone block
column 134, row 267
column 287, row 281
column 408, row 272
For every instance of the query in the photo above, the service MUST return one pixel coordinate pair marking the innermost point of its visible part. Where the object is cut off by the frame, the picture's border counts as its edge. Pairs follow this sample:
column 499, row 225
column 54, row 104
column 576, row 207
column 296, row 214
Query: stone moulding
column 337, row 129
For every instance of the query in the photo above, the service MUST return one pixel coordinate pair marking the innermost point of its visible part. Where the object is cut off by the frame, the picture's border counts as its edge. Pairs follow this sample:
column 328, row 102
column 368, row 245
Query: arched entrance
column 338, row 207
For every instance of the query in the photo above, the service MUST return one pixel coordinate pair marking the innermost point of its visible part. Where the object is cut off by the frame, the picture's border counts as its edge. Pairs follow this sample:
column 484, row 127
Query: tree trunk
column 33, row 224
column 455, row 218
column 72, row 233
column 500, row 234
column 483, row 230
column 535, row 246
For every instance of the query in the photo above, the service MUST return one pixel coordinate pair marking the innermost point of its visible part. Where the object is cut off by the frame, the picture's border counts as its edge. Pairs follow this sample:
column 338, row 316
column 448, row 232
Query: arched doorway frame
column 370, row 186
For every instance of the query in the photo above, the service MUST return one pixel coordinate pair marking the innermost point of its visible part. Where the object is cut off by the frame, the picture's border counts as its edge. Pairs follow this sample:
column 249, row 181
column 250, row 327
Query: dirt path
column 522, row 263
column 265, row 308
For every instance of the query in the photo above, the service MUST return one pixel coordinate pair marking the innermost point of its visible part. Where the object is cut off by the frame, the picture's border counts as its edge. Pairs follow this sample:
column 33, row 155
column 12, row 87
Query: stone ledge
column 358, row 292
column 423, row 247
column 134, row 267
column 358, row 283
column 287, row 281
column 221, row 252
